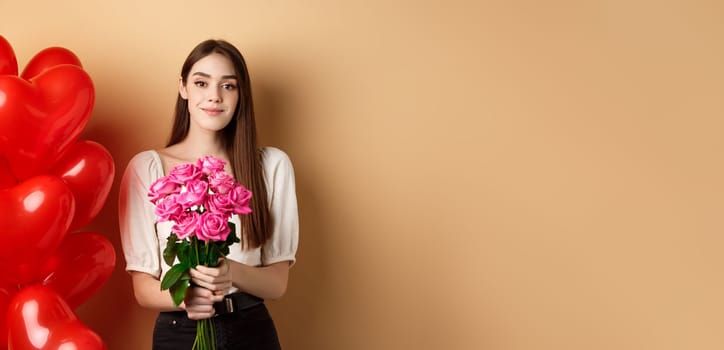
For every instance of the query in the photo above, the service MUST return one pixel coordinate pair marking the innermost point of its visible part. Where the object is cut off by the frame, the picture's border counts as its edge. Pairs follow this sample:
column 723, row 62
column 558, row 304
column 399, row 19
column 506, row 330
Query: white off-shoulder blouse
column 144, row 240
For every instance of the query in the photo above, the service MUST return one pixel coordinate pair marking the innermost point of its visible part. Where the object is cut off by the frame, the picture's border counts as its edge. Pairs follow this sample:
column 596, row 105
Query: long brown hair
column 239, row 139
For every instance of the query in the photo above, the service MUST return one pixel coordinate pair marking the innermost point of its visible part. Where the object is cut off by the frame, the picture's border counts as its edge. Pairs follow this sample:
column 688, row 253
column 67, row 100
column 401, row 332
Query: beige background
column 471, row 175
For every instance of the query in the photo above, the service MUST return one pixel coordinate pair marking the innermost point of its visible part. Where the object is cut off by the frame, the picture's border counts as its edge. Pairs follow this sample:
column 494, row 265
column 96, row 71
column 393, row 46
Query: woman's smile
column 212, row 111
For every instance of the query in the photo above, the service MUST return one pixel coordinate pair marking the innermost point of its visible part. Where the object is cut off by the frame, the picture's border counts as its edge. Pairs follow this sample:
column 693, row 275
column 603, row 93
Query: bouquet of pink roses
column 200, row 199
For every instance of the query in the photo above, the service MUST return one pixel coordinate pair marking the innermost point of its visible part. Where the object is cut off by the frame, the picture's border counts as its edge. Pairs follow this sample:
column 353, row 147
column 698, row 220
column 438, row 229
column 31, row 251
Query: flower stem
column 205, row 338
column 196, row 247
column 207, row 262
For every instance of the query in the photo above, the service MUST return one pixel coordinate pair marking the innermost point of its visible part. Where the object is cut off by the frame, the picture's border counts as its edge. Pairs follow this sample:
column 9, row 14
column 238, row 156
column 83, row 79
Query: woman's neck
column 199, row 144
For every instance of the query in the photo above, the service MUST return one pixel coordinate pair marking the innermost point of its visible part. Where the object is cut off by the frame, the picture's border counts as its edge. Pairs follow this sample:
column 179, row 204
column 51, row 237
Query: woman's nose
column 214, row 96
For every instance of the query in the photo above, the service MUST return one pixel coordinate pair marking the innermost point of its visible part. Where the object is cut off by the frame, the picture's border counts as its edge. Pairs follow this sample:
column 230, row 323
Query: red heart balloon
column 34, row 218
column 6, row 294
column 48, row 58
column 8, row 62
column 7, row 179
column 79, row 267
column 74, row 335
column 42, row 117
column 88, row 170
column 38, row 318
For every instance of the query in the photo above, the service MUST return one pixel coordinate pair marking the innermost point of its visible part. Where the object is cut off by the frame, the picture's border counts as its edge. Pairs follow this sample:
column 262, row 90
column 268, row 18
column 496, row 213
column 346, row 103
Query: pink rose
column 240, row 198
column 184, row 173
column 168, row 209
column 210, row 164
column 186, row 225
column 162, row 188
column 221, row 182
column 213, row 227
column 219, row 204
column 195, row 194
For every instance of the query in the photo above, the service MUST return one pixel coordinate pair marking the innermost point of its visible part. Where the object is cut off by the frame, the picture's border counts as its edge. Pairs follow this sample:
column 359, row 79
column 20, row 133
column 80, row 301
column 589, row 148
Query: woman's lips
column 212, row 111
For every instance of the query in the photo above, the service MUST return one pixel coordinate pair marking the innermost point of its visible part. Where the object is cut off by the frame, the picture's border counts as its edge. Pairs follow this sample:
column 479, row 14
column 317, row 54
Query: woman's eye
column 229, row 86
column 200, row 83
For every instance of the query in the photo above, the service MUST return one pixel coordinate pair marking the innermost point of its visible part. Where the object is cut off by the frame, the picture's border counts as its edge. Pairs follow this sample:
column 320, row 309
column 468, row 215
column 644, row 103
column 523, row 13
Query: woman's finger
column 211, row 282
column 200, row 274
column 203, row 284
column 199, row 303
column 214, row 272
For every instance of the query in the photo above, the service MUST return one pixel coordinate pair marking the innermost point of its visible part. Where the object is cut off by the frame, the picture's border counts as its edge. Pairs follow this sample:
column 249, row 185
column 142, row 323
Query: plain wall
column 471, row 174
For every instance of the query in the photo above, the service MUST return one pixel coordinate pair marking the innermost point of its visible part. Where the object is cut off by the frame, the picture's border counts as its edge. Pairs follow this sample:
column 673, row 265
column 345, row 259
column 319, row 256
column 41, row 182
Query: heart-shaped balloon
column 7, row 179
column 73, row 335
column 42, row 117
column 48, row 58
column 34, row 218
column 38, row 318
column 8, row 62
column 79, row 267
column 6, row 294
column 88, row 170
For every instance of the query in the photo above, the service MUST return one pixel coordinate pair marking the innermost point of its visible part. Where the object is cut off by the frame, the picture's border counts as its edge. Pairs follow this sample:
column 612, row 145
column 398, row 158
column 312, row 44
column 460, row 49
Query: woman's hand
column 210, row 285
column 199, row 303
column 215, row 279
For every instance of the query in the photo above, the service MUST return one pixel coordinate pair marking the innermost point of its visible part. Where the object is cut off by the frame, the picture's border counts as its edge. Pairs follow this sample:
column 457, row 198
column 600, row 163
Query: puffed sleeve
column 281, row 191
column 136, row 216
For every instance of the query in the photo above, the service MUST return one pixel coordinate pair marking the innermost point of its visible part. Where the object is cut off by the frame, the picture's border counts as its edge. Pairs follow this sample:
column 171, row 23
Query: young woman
column 214, row 116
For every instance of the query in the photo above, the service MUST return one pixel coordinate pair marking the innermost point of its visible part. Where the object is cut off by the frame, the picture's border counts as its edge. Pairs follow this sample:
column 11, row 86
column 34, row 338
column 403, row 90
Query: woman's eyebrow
column 205, row 75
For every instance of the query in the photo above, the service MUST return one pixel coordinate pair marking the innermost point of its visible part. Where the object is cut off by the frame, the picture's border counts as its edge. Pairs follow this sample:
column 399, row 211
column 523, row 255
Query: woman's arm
column 266, row 282
column 148, row 293
column 198, row 304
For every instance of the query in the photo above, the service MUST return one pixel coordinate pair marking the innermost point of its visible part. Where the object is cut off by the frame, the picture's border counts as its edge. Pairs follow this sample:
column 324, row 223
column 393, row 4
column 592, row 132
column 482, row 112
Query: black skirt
column 251, row 328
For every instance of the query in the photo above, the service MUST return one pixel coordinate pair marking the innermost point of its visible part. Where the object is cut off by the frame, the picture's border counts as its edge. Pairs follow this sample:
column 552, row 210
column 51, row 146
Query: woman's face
column 211, row 91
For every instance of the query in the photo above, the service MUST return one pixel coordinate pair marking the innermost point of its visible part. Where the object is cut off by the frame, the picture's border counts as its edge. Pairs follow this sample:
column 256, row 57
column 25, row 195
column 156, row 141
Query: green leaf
column 169, row 254
column 224, row 249
column 174, row 275
column 184, row 255
column 232, row 237
column 178, row 290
